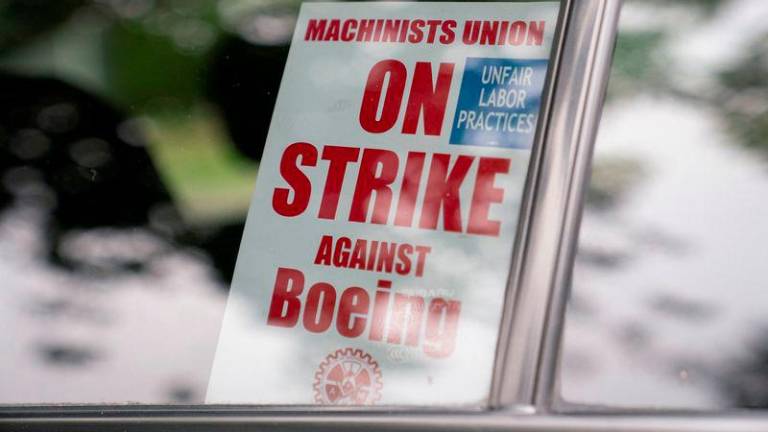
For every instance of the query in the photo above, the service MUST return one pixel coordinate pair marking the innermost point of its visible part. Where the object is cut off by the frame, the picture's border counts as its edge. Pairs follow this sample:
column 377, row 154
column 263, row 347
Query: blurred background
column 130, row 136
column 669, row 304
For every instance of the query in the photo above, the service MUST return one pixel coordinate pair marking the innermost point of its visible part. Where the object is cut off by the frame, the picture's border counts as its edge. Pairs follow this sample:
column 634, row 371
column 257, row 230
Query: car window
column 131, row 136
column 668, row 301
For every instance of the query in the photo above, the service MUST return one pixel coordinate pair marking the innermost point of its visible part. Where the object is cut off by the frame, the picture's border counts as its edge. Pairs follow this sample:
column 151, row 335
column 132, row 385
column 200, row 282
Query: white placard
column 377, row 248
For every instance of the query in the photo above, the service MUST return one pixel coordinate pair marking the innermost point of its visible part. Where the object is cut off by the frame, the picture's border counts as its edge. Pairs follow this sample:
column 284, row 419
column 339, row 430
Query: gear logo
column 348, row 376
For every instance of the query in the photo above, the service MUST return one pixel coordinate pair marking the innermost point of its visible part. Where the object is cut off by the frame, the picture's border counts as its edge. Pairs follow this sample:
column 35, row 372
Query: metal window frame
column 524, row 393
column 531, row 333
column 529, row 340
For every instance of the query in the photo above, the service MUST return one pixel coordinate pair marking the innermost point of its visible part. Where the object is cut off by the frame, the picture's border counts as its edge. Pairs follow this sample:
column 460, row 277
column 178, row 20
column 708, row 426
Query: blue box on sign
column 499, row 102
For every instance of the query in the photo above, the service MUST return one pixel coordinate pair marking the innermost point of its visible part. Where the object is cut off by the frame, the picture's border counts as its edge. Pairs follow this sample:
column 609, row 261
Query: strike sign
column 375, row 257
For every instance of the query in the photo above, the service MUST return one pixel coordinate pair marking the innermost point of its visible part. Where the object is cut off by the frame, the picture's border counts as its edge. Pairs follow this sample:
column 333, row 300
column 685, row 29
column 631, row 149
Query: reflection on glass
column 129, row 136
column 669, row 297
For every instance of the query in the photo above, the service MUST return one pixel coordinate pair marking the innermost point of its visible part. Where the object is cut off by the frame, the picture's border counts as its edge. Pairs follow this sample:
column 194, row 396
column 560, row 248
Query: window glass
column 126, row 163
column 131, row 135
column 669, row 290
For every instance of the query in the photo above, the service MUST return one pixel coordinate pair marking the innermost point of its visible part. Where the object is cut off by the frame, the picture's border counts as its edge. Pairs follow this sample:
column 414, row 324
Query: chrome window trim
column 289, row 419
column 525, row 375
